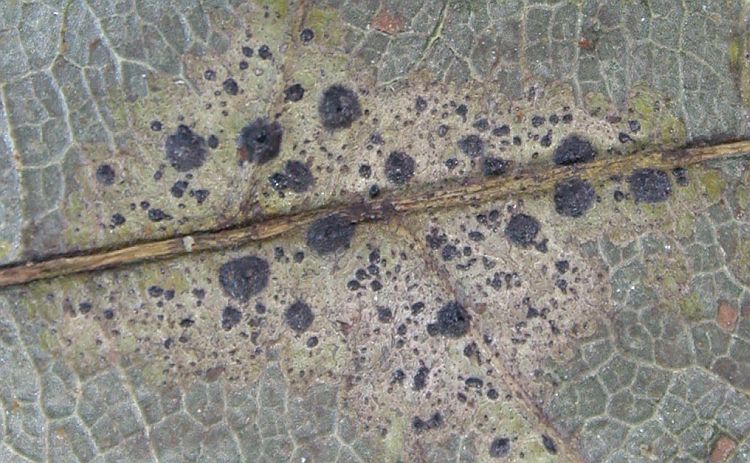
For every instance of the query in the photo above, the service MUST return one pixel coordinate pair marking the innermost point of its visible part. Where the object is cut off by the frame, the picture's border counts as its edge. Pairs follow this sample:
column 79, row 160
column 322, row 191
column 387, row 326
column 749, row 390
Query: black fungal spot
column 247, row 51
column 230, row 86
column 634, row 126
column 298, row 176
column 500, row 447
column 650, row 185
column 209, row 74
column 399, row 167
column 420, row 378
column 84, row 307
column 573, row 150
column 623, row 137
column 157, row 215
column 449, row 252
column 554, row 119
column 312, row 341
column 417, row 308
column 419, row 425
column 680, row 176
column 294, row 93
column 567, row 118
column 573, row 197
column 462, row 110
column 178, row 188
column 243, row 65
column 476, row 236
column 442, row 130
column 451, row 163
column 618, row 195
column 493, row 167
column 537, row 121
column 199, row 195
column 264, row 52
column 109, row 314
column 260, row 141
column 549, row 444
column 546, row 140
column 187, row 322
column 374, row 191
column 501, row 131
column 471, row 145
column 492, row 394
column 105, row 174
column 117, row 219
column 385, row 315
column 185, row 149
column 522, row 229
column 244, row 277
column 230, row 317
column 306, row 35
column 474, row 383
column 299, row 316
column 155, row 126
column 420, row 104
column 452, row 321
column 562, row 266
column 155, row 291
column 365, row 171
column 481, row 124
column 339, row 107
column 376, row 285
column 330, row 234
column 213, row 142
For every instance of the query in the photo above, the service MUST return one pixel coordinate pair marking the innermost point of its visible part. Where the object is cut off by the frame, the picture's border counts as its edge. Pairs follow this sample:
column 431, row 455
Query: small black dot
column 374, row 191
column 244, row 277
column 306, row 35
column 105, row 174
column 155, row 126
column 247, row 51
column 618, row 195
column 549, row 444
column 84, row 307
column 264, row 52
column 294, row 93
column 312, row 341
column 157, row 215
column 365, row 171
column 501, row 131
column 185, row 150
column 623, row 137
column 209, row 74
column 109, row 314
column 243, row 65
column 537, row 121
column 117, row 219
column 376, row 285
column 230, row 86
column 230, row 318
column 452, row 321
column 213, row 141
column 493, row 167
column 420, row 104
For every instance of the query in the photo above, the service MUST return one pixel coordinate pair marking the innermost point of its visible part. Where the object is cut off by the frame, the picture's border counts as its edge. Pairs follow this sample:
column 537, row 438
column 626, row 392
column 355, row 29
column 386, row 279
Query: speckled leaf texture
column 607, row 320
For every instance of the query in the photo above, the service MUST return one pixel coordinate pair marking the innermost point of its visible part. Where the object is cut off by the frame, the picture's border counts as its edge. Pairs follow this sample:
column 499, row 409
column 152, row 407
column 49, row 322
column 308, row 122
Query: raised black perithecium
column 339, row 107
column 244, row 277
column 260, row 141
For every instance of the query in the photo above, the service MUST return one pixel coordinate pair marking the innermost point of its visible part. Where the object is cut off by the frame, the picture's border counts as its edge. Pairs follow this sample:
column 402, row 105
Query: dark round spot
column 385, row 315
column 634, row 126
column 339, row 107
column 178, row 188
column 260, row 141
column 501, row 131
column 264, row 52
column 278, row 181
column 573, row 197
column 109, row 314
column 492, row 166
column 537, row 121
column 230, row 318
column 451, row 163
column 117, row 219
column 549, row 444
column 247, row 51
column 452, row 321
column 244, row 277
column 105, row 174
column 420, row 378
column 330, row 234
column 157, row 215
column 522, row 229
column 650, row 185
column 420, row 104
column 312, row 341
column 155, row 126
column 199, row 195
column 680, row 176
column 306, row 35
column 365, row 171
column 573, row 150
column 209, row 74
column 230, row 86
column 85, row 307
column 618, row 195
column 185, row 150
column 299, row 316
column 492, row 394
column 298, row 176
column 376, row 285
column 374, row 191
column 243, row 65
column 623, row 137
column 294, row 93
column 399, row 167
column 481, row 124
column 471, row 145
column 462, row 110
column 213, row 141
column 500, row 447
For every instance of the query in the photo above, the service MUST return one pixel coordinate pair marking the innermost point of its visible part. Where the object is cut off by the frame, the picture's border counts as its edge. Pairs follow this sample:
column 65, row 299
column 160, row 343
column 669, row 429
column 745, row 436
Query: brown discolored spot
column 726, row 316
column 723, row 448
column 388, row 22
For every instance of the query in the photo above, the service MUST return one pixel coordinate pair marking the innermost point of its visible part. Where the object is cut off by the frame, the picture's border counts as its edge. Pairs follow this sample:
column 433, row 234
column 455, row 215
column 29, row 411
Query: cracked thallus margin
column 439, row 195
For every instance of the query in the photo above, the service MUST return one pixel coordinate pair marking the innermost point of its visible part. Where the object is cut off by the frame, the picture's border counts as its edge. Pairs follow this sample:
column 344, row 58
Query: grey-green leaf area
column 609, row 325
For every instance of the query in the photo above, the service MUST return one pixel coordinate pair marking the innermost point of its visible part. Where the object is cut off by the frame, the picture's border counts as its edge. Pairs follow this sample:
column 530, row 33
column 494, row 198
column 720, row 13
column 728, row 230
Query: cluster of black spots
column 399, row 167
column 105, row 174
column 501, row 131
column 452, row 321
column 299, row 316
column 522, row 229
column 680, row 176
column 449, row 252
column 230, row 318
column 433, row 422
column 436, row 239
column 500, row 447
column 294, row 93
column 493, row 166
column 244, row 277
column 185, row 150
column 420, row 104
column 573, row 197
column 264, row 52
column 419, row 381
column 330, row 234
column 260, row 141
column 339, row 107
column 155, row 126
column 296, row 177
column 562, row 266
column 117, row 219
column 471, row 145
column 306, row 35
column 157, row 215
column 650, row 185
column 549, row 444
column 230, row 86
column 546, row 140
column 573, row 150
column 462, row 110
